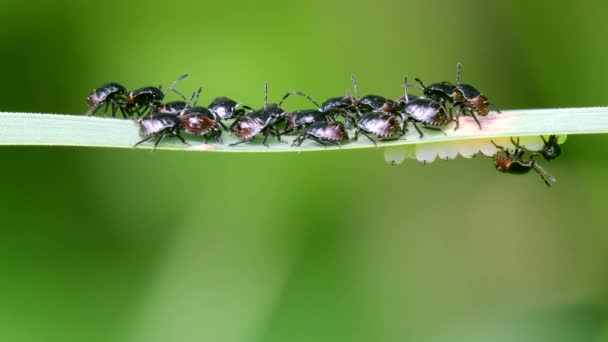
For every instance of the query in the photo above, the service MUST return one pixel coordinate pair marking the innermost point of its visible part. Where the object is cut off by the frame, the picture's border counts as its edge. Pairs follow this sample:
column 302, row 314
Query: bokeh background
column 129, row 245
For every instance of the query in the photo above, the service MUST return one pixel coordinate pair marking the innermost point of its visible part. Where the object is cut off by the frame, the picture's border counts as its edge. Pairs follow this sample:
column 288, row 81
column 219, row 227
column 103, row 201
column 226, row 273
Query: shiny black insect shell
column 419, row 109
column 110, row 94
column 513, row 163
column 201, row 121
column 159, row 127
column 226, row 108
column 384, row 125
column 427, row 111
column 370, row 103
column 250, row 124
column 177, row 107
column 303, row 118
column 401, row 102
column 332, row 108
column 173, row 108
column 468, row 97
column 375, row 102
column 272, row 110
column 442, row 91
column 446, row 93
column 324, row 133
column 335, row 104
column 551, row 150
column 139, row 101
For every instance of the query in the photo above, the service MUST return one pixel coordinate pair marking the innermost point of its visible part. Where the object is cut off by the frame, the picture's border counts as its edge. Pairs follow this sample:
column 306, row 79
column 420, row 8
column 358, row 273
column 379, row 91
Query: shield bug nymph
column 443, row 92
column 331, row 108
column 173, row 108
column 370, row 103
column 159, row 126
column 263, row 120
column 177, row 107
column 139, row 101
column 383, row 125
column 201, row 121
column 551, row 148
column 324, row 133
column 300, row 119
column 111, row 95
column 227, row 108
column 513, row 163
column 468, row 98
column 431, row 113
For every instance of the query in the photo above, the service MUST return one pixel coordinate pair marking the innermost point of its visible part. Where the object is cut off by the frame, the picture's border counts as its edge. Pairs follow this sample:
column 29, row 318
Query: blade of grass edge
column 34, row 129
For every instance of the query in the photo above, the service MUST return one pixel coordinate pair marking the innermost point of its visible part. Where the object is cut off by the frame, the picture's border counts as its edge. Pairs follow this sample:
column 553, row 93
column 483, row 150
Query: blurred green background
column 128, row 245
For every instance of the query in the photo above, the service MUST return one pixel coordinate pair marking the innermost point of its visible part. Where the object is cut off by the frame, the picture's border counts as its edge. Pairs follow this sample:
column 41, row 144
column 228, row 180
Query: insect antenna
column 265, row 95
column 171, row 87
column 405, row 96
column 354, row 80
column 543, row 174
column 299, row 93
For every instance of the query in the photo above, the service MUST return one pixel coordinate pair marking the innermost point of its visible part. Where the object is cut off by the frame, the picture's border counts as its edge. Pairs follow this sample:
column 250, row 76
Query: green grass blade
column 20, row 129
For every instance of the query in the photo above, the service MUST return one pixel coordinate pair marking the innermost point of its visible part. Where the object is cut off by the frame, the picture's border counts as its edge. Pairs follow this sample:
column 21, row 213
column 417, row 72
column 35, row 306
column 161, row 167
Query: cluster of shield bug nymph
column 376, row 117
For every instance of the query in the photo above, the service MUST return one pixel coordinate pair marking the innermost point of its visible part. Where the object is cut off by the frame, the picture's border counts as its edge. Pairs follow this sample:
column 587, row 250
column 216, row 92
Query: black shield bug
column 383, row 125
column 159, row 126
column 446, row 94
column 465, row 98
column 139, row 101
column 513, row 163
column 335, row 105
column 226, row 108
column 303, row 118
column 177, row 107
column 173, row 108
column 331, row 108
column 429, row 112
column 201, row 121
column 370, row 103
column 551, row 149
column 324, row 133
column 110, row 95
column 252, row 123
column 469, row 99
column 443, row 92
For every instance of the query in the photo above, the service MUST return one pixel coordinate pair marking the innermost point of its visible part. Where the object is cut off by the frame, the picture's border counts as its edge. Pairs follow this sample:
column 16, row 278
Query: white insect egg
column 394, row 155
column 447, row 150
column 531, row 143
column 467, row 148
column 487, row 148
column 410, row 151
column 426, row 153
